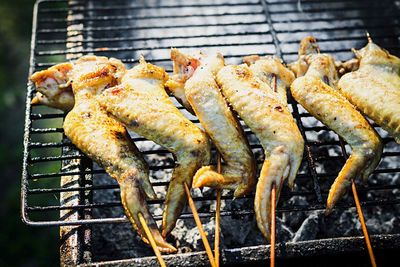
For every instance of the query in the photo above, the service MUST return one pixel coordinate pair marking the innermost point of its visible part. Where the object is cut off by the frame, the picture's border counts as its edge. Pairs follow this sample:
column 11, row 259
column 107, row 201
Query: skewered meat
column 317, row 92
column 271, row 71
column 204, row 96
column 375, row 87
column 142, row 104
column 53, row 87
column 101, row 137
column 278, row 78
column 274, row 126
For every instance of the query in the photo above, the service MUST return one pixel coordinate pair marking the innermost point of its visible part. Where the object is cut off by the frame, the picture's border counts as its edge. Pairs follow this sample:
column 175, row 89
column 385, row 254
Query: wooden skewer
column 363, row 225
column 368, row 37
column 217, row 216
column 273, row 226
column 152, row 241
column 200, row 226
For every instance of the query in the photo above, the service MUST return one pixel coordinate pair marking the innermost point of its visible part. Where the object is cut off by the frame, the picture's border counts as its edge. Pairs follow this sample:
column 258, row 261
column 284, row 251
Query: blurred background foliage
column 20, row 245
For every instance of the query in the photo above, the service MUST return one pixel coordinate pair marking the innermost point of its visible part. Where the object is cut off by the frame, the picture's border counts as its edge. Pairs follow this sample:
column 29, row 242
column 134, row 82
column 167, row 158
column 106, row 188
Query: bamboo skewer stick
column 273, row 226
column 273, row 205
column 217, row 216
column 200, row 226
column 363, row 225
column 152, row 241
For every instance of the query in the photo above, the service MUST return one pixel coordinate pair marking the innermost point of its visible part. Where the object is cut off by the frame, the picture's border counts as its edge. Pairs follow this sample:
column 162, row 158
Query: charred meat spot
column 334, row 118
column 134, row 123
column 279, row 108
column 194, row 153
column 119, row 135
column 116, row 91
column 325, row 79
column 107, row 86
column 241, row 73
column 125, row 151
column 86, row 115
column 255, row 84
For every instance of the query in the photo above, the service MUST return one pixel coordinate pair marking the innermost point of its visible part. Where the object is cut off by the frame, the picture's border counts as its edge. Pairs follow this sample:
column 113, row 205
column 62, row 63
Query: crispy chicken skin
column 53, row 87
column 375, row 87
column 142, row 104
column 271, row 71
column 209, row 105
column 272, row 123
column 106, row 141
column 317, row 92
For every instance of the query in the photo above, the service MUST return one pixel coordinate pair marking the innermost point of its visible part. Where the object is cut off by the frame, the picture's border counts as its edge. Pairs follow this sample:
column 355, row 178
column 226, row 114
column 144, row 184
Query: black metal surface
column 64, row 30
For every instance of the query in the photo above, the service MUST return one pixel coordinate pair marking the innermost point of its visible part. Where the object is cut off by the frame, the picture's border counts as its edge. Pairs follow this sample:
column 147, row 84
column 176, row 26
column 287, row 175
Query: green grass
column 20, row 245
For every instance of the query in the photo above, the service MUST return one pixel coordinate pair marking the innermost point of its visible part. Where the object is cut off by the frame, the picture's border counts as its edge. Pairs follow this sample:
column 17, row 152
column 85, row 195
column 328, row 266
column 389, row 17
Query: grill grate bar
column 134, row 48
column 343, row 28
column 65, row 157
column 123, row 28
column 157, row 61
column 378, row 36
column 37, row 176
column 235, row 213
column 330, row 9
column 132, row 7
column 131, row 17
column 155, row 38
column 373, row 18
column 37, row 191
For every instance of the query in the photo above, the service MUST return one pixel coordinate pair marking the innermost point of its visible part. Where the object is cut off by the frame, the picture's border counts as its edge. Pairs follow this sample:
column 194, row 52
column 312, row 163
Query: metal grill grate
column 61, row 187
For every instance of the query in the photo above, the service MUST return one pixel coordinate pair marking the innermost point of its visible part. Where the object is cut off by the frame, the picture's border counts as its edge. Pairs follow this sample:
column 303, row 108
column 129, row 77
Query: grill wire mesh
column 61, row 187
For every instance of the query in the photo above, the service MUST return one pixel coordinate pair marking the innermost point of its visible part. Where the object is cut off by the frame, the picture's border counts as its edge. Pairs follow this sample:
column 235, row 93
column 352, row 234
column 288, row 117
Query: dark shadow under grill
column 61, row 187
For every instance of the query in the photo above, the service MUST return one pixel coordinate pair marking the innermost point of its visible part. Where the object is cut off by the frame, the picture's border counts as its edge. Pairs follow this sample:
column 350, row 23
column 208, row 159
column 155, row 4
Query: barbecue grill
column 84, row 203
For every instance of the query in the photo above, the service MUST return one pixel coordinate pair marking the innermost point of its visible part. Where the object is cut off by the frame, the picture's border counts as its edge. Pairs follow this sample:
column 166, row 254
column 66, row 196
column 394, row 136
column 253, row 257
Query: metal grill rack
column 60, row 185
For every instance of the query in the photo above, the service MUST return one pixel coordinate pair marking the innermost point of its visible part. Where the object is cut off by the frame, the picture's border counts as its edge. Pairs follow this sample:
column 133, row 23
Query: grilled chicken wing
column 142, row 104
column 316, row 91
column 105, row 140
column 271, row 71
column 375, row 87
column 53, row 87
column 274, row 126
column 204, row 96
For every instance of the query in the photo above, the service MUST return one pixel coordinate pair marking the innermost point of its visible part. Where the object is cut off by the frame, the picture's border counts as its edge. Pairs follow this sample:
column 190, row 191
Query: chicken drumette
column 53, row 87
column 375, row 87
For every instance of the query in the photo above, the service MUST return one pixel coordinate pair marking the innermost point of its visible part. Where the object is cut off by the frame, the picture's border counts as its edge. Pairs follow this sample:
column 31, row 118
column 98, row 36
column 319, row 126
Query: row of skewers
column 103, row 99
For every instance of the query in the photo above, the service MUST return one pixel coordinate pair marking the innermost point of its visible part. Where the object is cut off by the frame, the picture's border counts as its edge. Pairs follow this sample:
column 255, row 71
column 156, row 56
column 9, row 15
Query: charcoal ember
column 113, row 239
column 187, row 236
column 295, row 219
column 283, row 233
column 253, row 235
column 342, row 223
column 117, row 239
column 237, row 231
column 380, row 220
column 310, row 227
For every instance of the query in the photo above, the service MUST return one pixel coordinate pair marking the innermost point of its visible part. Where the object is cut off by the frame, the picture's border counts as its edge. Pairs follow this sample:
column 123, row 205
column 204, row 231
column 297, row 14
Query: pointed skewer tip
column 368, row 37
